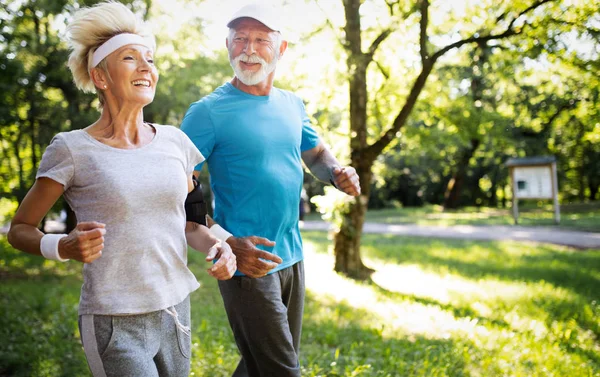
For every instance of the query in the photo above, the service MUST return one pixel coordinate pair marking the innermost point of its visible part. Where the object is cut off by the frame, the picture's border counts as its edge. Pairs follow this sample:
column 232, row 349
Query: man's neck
column 263, row 88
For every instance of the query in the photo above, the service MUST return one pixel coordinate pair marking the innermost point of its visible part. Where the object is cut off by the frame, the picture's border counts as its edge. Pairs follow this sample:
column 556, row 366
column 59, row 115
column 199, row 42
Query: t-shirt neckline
column 248, row 95
column 99, row 143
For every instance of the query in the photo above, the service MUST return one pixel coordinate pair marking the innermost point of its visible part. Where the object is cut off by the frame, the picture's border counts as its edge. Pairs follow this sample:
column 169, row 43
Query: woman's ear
column 99, row 78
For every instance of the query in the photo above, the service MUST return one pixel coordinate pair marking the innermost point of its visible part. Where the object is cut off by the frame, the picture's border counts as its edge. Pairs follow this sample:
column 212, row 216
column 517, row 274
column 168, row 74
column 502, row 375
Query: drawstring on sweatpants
column 185, row 329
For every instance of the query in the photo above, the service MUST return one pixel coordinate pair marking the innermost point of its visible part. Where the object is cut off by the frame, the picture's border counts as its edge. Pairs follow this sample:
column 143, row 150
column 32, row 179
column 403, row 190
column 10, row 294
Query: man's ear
column 283, row 47
column 99, row 78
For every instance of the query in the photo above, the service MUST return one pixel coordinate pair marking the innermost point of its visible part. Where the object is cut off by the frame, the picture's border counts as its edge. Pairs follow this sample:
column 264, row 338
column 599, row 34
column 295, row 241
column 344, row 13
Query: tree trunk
column 493, row 198
column 31, row 117
column 580, row 156
column 455, row 185
column 347, row 240
column 594, row 186
column 22, row 189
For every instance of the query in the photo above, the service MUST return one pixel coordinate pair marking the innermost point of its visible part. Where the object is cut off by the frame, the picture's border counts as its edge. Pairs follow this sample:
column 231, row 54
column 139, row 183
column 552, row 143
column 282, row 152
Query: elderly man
column 254, row 137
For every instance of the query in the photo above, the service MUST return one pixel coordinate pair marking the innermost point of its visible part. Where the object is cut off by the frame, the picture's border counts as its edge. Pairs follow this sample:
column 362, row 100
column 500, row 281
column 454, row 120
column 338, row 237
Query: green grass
column 433, row 308
column 584, row 217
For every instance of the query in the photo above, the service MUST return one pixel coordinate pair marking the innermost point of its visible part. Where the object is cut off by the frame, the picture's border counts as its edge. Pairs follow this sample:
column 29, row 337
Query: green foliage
column 185, row 76
column 534, row 93
column 7, row 209
column 526, row 107
column 38, row 98
column 538, row 92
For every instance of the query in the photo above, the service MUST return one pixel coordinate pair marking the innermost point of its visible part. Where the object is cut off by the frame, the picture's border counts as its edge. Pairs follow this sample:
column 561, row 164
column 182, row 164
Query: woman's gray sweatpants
column 265, row 315
column 144, row 345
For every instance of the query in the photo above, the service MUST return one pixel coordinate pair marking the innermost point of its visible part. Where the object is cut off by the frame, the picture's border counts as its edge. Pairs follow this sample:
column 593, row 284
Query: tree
column 510, row 22
column 31, row 106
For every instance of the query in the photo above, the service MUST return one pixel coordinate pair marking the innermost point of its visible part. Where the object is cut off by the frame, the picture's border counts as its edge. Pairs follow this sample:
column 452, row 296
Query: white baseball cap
column 262, row 13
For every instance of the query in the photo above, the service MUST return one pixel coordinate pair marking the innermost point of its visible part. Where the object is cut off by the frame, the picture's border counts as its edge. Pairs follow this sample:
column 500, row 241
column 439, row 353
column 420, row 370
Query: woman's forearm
column 199, row 237
column 25, row 237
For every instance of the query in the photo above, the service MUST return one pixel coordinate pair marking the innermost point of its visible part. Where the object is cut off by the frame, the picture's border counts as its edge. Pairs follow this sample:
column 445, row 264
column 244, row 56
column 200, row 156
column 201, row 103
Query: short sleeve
column 310, row 139
column 193, row 157
column 199, row 128
column 57, row 162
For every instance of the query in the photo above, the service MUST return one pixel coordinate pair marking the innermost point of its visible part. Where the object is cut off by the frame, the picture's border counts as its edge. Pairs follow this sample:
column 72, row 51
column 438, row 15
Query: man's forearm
column 322, row 164
column 325, row 166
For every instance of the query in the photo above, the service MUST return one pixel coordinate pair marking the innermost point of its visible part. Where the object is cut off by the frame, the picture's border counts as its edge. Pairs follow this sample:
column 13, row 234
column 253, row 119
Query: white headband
column 114, row 44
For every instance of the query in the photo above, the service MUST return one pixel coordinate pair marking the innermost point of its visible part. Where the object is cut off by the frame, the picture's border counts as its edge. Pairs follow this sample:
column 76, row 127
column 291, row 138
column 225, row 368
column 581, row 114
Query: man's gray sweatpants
column 265, row 315
column 143, row 345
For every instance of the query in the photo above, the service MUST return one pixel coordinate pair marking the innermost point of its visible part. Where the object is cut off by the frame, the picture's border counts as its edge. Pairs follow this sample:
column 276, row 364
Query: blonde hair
column 93, row 26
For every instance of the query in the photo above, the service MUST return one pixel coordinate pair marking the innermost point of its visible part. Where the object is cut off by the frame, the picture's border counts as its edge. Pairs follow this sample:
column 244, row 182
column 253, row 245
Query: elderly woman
column 127, row 181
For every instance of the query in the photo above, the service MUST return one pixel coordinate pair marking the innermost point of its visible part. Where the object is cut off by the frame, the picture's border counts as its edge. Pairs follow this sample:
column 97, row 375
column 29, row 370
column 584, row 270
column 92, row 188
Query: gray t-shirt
column 139, row 194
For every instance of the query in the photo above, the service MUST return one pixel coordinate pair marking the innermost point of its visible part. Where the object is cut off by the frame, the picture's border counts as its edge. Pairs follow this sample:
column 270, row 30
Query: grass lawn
column 433, row 308
column 584, row 216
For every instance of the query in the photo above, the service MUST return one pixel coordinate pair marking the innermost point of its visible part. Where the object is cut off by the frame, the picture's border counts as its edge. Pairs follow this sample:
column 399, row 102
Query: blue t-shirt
column 252, row 145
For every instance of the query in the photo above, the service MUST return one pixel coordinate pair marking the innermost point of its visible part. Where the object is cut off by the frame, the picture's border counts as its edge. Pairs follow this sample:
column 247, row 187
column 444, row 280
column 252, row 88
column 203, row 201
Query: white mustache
column 251, row 59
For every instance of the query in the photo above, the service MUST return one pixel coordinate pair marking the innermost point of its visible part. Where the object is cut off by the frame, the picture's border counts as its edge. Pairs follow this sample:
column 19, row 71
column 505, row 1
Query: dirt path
column 582, row 240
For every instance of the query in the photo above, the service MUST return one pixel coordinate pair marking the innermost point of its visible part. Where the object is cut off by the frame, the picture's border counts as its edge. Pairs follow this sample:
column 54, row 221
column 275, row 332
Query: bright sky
column 299, row 16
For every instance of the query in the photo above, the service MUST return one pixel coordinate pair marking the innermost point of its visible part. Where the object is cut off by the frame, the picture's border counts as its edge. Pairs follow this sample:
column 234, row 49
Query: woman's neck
column 123, row 129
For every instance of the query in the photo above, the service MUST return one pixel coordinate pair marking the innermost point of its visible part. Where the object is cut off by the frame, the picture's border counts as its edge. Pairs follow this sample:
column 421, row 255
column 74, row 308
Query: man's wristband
column 220, row 233
column 49, row 246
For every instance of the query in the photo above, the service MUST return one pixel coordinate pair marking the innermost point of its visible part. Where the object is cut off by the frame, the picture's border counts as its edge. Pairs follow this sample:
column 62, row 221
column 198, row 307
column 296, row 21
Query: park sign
column 534, row 178
column 533, row 182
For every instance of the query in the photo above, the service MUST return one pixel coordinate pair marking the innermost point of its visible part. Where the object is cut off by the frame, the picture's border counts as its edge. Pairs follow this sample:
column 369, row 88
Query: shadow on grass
column 567, row 281
column 558, row 310
column 576, row 271
column 340, row 340
column 462, row 311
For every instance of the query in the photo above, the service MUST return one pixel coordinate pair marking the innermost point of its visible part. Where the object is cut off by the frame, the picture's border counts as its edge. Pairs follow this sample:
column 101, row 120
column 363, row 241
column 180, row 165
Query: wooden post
column 515, row 201
column 555, row 193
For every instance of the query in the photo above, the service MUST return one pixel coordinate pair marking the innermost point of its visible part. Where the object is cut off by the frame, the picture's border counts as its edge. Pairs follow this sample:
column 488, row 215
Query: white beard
column 248, row 77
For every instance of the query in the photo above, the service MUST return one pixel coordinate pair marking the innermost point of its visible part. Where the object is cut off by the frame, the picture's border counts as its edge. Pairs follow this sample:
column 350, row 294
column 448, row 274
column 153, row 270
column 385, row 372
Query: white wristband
column 49, row 246
column 220, row 233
